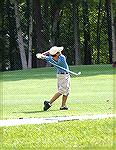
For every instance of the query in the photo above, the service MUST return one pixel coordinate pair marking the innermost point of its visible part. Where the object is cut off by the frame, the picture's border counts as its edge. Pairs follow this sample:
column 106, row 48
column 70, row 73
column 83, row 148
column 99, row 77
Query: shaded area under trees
column 85, row 28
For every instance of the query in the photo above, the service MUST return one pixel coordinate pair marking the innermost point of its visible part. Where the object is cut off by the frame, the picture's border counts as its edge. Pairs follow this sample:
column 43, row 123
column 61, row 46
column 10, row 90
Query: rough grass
column 97, row 134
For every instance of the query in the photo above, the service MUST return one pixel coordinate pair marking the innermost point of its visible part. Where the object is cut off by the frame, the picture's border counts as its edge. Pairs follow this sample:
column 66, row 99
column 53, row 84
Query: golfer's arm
column 50, row 59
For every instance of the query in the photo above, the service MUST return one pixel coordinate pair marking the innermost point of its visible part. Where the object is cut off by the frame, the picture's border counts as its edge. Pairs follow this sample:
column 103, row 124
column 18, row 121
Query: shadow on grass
column 33, row 112
column 50, row 73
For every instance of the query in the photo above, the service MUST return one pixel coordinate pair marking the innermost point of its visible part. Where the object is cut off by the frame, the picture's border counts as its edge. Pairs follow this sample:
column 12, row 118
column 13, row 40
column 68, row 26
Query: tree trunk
column 108, row 11
column 54, row 32
column 2, row 38
column 113, row 37
column 11, row 27
column 76, row 33
column 87, row 45
column 30, row 43
column 20, row 37
column 46, row 26
column 30, row 29
column 98, row 33
column 47, row 22
column 38, row 27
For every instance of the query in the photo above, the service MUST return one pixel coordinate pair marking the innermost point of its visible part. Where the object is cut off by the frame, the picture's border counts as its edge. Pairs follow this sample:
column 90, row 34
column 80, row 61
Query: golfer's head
column 55, row 50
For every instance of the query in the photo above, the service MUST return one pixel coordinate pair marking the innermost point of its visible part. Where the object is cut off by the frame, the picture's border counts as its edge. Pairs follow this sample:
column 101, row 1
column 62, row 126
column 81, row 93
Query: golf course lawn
column 23, row 94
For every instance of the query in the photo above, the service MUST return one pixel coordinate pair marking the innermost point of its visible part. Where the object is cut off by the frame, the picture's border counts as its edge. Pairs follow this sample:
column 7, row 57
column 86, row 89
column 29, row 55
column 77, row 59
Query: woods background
column 86, row 29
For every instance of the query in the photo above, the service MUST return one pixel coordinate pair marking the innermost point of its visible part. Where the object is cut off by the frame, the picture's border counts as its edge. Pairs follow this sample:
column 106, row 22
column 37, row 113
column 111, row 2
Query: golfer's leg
column 64, row 99
column 57, row 95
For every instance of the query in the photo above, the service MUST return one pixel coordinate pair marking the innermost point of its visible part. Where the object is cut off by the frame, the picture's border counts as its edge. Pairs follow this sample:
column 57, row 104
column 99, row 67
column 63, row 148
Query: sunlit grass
column 97, row 134
column 92, row 93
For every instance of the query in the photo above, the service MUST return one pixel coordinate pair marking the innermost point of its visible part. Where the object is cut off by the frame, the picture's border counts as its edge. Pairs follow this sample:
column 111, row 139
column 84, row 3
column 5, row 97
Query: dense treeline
column 86, row 29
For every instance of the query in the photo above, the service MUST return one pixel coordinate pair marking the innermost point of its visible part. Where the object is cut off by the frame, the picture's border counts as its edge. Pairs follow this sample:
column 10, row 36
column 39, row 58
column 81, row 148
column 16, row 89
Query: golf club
column 77, row 74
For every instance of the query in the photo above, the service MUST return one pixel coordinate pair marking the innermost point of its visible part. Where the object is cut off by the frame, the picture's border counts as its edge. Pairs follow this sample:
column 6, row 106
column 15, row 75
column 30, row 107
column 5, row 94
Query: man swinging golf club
column 54, row 56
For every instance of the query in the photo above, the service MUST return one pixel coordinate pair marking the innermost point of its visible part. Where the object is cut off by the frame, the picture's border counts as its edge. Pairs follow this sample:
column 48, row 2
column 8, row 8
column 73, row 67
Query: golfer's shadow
column 28, row 112
column 33, row 112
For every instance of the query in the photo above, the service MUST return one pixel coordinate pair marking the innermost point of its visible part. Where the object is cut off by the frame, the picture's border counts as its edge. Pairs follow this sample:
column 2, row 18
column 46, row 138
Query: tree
column 76, row 33
column 86, row 28
column 2, row 37
column 38, row 30
column 98, row 32
column 30, row 30
column 56, row 22
column 113, row 37
column 13, row 54
column 20, row 36
column 109, row 26
column 55, row 14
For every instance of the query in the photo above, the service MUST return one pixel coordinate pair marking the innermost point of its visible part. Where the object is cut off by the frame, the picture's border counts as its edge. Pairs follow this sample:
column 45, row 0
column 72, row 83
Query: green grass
column 65, row 135
column 25, row 91
column 92, row 93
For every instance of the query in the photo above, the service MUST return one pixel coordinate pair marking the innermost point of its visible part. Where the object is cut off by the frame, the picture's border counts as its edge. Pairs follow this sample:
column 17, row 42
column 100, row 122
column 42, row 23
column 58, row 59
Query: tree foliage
column 83, row 27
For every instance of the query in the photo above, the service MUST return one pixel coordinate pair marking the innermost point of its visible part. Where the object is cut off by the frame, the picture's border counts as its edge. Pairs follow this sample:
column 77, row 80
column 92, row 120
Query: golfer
column 55, row 56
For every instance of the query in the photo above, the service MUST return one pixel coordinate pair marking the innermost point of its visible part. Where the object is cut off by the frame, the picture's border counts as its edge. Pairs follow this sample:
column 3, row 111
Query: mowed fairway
column 92, row 93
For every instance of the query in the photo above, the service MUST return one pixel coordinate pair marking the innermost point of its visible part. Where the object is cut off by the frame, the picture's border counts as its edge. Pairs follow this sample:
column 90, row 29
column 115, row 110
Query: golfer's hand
column 40, row 56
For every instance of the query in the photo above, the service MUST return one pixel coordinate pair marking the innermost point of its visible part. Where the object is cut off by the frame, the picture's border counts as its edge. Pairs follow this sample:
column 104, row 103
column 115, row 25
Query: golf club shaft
column 64, row 69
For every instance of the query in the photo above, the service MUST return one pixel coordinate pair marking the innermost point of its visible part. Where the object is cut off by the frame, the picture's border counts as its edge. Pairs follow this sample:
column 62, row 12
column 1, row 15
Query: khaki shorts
column 63, row 83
